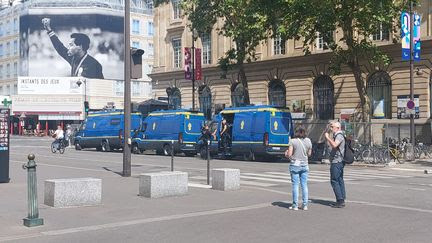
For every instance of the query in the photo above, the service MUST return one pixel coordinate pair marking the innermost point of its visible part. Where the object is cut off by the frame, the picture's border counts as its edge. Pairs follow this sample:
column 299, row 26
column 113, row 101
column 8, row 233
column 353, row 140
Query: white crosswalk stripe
column 274, row 178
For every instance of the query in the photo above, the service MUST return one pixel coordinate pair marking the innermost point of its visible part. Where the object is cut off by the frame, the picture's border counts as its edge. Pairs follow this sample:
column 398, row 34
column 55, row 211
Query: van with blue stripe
column 262, row 131
column 163, row 129
column 103, row 130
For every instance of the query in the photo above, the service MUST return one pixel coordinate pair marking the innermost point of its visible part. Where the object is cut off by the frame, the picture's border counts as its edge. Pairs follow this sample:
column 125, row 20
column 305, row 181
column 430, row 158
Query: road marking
column 242, row 182
column 288, row 177
column 62, row 166
column 406, row 169
column 384, row 186
column 138, row 222
column 419, row 184
column 417, row 189
column 199, row 185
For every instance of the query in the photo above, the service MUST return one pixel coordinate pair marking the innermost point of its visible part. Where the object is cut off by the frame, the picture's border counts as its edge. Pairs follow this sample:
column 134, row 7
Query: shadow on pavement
column 116, row 172
column 322, row 202
column 281, row 204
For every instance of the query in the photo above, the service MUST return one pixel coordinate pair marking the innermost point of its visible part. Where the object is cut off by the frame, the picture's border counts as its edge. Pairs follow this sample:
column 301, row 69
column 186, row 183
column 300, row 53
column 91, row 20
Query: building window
column 150, row 29
column 279, row 46
column 15, row 89
column 1, row 50
column 237, row 95
column 8, row 70
column 135, row 44
column 119, row 88
column 8, row 49
column 135, row 26
column 321, row 43
column 205, row 101
column 15, row 69
column 176, row 44
column 1, row 90
column 150, row 49
column 15, row 47
column 7, row 27
column 382, row 33
column 323, row 90
column 1, row 71
column 206, row 52
column 176, row 9
column 174, row 98
column 1, row 29
column 277, row 93
column 379, row 92
column 15, row 25
column 149, row 4
column 136, row 88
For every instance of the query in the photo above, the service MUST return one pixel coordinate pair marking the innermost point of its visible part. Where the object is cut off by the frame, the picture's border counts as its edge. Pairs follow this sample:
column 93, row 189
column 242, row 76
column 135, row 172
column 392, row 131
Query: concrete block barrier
column 225, row 179
column 73, row 192
column 163, row 184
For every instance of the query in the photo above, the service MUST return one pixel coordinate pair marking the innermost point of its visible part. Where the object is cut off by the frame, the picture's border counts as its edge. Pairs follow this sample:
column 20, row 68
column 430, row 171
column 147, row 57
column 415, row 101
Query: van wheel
column 135, row 149
column 250, row 156
column 77, row 146
column 105, row 146
column 203, row 152
column 167, row 150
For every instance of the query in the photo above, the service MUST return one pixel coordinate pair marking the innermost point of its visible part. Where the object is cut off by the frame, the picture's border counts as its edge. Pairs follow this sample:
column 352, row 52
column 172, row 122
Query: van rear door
column 280, row 129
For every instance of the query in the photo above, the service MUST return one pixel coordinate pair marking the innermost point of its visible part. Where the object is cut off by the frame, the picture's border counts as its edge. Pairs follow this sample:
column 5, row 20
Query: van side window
column 115, row 121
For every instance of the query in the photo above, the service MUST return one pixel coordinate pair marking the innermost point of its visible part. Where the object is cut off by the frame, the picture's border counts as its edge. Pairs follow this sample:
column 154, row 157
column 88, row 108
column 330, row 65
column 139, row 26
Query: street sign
column 410, row 104
column 405, row 36
column 188, row 63
column 4, row 145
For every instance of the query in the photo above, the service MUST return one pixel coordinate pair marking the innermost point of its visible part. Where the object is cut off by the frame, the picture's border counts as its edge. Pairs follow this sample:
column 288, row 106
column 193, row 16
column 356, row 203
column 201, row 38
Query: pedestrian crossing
column 275, row 178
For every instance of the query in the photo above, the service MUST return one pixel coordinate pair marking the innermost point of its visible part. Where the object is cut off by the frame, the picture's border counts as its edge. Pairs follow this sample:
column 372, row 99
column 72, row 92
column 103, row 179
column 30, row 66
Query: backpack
column 348, row 157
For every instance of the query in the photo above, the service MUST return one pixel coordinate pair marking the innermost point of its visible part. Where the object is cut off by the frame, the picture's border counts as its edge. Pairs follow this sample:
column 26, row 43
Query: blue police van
column 162, row 129
column 104, row 130
column 262, row 131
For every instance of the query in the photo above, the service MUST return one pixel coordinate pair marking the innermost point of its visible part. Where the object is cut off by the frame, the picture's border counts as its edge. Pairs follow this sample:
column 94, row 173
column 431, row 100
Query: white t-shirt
column 59, row 134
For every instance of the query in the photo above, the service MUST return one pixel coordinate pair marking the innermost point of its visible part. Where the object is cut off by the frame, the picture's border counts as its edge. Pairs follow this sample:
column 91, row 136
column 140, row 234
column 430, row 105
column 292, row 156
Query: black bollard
column 208, row 162
column 172, row 155
column 33, row 211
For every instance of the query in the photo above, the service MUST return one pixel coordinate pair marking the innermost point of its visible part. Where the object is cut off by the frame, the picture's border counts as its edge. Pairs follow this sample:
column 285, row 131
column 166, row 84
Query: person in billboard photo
column 82, row 64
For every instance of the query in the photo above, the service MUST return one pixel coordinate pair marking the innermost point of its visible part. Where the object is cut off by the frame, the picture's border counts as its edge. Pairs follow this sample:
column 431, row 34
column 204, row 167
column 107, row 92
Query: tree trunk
column 244, row 82
column 361, row 89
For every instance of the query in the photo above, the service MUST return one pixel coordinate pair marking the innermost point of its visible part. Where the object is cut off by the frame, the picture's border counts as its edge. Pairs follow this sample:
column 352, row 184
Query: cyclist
column 59, row 136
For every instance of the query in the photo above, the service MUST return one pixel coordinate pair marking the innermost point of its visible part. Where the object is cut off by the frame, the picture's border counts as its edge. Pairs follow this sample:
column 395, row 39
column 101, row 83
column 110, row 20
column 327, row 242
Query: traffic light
column 86, row 107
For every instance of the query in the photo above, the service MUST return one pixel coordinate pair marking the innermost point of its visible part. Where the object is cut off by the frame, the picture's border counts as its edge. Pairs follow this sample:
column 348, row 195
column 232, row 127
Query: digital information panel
column 4, row 145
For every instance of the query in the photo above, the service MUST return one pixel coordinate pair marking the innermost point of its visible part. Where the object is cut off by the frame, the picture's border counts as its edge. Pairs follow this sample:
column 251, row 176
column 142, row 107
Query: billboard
column 50, row 85
column 67, row 42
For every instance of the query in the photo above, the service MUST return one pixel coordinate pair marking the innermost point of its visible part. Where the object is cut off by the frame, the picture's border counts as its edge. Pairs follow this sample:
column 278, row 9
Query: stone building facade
column 283, row 75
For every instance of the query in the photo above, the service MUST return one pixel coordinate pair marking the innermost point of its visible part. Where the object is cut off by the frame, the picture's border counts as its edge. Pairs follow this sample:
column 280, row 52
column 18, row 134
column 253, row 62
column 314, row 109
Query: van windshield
column 280, row 125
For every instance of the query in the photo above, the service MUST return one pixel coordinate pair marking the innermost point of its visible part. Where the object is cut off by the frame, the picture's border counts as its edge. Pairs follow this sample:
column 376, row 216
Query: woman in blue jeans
column 300, row 148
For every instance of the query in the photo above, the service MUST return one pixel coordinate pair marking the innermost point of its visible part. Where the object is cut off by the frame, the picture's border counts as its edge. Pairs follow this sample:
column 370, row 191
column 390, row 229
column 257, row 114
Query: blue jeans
column 299, row 174
column 337, row 181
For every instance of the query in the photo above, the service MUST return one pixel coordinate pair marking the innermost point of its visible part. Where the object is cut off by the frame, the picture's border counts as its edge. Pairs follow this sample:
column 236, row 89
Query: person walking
column 300, row 148
column 336, row 142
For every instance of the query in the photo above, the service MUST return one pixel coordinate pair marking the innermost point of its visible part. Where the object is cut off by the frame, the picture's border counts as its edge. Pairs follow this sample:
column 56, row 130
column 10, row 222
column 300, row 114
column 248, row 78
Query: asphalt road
column 384, row 204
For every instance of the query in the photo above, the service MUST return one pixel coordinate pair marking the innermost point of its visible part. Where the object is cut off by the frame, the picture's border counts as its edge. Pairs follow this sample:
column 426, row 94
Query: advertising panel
column 71, row 42
column 50, row 85
column 4, row 145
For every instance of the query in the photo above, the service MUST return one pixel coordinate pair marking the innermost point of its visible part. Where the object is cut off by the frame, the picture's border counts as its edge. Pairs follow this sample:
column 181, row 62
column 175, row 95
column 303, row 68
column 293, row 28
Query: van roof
column 175, row 112
column 269, row 108
column 109, row 113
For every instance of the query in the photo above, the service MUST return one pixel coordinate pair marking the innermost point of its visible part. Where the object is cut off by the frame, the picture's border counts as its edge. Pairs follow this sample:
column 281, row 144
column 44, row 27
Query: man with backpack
column 337, row 145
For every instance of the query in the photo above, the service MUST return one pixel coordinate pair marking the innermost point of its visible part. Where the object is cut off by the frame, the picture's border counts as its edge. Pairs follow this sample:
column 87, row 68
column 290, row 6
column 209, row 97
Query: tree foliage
column 352, row 21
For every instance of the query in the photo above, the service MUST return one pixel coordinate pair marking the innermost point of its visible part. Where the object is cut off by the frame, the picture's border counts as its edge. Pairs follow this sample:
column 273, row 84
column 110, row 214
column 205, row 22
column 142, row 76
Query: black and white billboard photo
column 72, row 43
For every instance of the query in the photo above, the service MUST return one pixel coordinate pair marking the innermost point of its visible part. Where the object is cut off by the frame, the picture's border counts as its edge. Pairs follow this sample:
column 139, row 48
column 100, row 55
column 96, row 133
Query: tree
column 241, row 22
column 356, row 19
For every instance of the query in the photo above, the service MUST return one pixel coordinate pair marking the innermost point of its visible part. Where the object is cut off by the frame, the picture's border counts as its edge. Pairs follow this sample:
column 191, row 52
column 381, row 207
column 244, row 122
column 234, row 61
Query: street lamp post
column 412, row 126
column 193, row 69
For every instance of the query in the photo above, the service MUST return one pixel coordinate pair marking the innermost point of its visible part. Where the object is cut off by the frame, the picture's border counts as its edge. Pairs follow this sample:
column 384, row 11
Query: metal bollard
column 208, row 162
column 33, row 211
column 172, row 155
